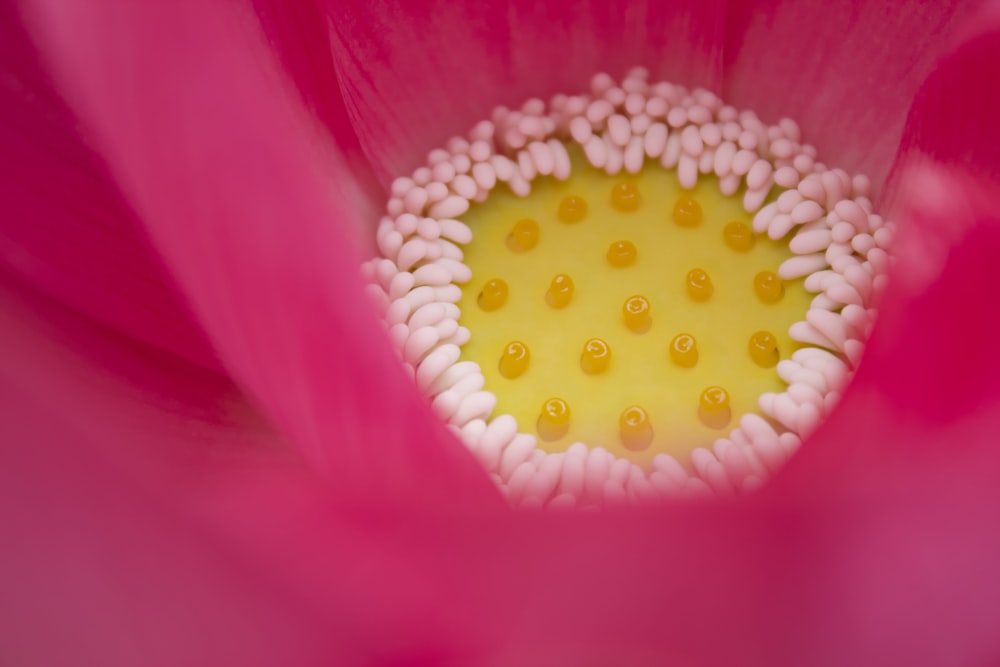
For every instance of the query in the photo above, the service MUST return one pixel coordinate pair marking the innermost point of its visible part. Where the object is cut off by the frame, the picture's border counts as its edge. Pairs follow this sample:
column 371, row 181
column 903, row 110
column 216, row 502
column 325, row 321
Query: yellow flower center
column 673, row 282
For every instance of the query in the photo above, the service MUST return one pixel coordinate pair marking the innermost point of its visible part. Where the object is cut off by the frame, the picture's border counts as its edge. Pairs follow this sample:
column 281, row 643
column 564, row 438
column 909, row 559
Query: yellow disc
column 636, row 313
column 622, row 253
column 493, row 295
column 560, row 291
column 699, row 285
column 684, row 350
column 738, row 236
column 687, row 212
column 768, row 287
column 635, row 429
column 764, row 349
column 523, row 236
column 514, row 360
column 595, row 357
column 625, row 197
column 572, row 209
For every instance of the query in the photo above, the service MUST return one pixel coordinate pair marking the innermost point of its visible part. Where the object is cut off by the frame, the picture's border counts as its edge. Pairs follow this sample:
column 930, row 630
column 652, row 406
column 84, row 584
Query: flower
column 210, row 456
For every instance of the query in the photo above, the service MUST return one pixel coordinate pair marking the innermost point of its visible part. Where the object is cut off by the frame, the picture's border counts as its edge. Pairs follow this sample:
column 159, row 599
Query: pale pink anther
column 634, row 156
column 598, row 111
column 422, row 176
column 748, row 140
column 449, row 207
column 655, row 140
column 456, row 230
column 541, row 156
column 729, row 184
column 656, row 107
column 743, row 161
column 562, row 165
column 787, row 200
column 526, row 166
column 596, row 151
column 759, row 175
column 711, row 134
column 635, row 103
column 687, row 171
column 724, row 155
column 803, row 265
column 462, row 163
column 484, row 175
column 615, row 95
column 677, row 117
column 691, row 141
column 437, row 156
column 786, row 177
column 436, row 191
column 640, row 123
column 464, row 186
column 616, row 157
column 706, row 161
column 619, row 130
column 806, row 211
column 780, row 224
column 580, row 129
column 415, row 200
column 401, row 186
column 504, row 168
column 443, row 172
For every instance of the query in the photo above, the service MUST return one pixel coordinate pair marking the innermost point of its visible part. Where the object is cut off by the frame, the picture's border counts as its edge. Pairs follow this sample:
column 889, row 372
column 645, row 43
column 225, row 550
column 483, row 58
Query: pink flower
column 210, row 456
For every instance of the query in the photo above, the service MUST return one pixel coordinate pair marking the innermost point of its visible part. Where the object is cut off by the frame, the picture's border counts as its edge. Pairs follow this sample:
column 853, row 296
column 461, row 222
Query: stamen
column 804, row 237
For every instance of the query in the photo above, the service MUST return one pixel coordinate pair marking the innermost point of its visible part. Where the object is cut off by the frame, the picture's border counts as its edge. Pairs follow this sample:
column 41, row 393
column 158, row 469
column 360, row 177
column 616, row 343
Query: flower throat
column 631, row 295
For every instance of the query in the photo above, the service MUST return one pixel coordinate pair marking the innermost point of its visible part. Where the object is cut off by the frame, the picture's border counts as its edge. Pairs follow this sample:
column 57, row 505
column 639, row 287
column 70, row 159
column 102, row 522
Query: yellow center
column 654, row 314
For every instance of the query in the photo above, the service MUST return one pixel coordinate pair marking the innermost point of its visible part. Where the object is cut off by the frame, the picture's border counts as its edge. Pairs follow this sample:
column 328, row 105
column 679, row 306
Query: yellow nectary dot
column 622, row 253
column 636, row 431
column 687, row 212
column 553, row 421
column 524, row 235
column 572, row 209
column 738, row 236
column 699, row 285
column 764, row 349
column 625, row 197
column 684, row 350
column 595, row 357
column 493, row 295
column 514, row 360
column 560, row 291
column 713, row 407
column 636, row 313
column 768, row 287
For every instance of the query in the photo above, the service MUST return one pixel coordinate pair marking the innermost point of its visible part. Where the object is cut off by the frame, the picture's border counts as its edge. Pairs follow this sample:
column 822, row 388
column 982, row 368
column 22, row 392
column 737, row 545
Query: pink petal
column 416, row 73
column 66, row 230
column 841, row 69
column 254, row 214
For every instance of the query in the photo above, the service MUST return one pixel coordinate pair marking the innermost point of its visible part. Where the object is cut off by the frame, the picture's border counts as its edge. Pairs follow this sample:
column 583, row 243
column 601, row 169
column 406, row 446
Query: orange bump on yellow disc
column 687, row 212
column 764, row 349
column 622, row 253
column 514, row 360
column 684, row 350
column 738, row 236
column 636, row 313
column 713, row 407
column 560, row 291
column 595, row 357
column 572, row 209
column 636, row 431
column 768, row 287
column 699, row 285
column 493, row 295
column 553, row 421
column 523, row 236
column 625, row 197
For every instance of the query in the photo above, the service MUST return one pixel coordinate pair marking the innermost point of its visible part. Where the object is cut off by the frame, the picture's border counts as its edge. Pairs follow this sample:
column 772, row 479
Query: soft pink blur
column 210, row 456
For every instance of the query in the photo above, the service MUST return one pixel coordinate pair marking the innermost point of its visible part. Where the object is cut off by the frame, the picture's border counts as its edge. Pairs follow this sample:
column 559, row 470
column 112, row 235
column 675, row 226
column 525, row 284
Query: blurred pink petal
column 416, row 73
column 65, row 229
column 250, row 208
column 873, row 546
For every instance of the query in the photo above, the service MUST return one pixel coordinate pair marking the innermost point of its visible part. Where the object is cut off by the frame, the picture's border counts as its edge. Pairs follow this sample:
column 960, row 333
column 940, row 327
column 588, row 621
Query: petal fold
column 257, row 216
